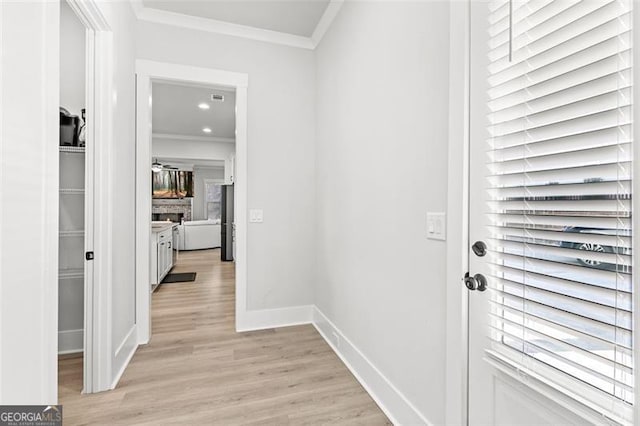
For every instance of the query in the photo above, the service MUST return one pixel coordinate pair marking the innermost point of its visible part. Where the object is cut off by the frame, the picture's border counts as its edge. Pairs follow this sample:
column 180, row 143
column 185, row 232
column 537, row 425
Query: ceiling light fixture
column 203, row 105
column 206, row 129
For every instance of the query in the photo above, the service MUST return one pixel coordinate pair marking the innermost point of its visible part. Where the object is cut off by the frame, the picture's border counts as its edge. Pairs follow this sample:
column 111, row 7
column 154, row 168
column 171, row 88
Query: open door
column 550, row 271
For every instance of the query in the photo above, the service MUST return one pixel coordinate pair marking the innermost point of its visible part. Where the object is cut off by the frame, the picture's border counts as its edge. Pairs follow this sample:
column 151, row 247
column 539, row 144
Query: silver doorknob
column 476, row 282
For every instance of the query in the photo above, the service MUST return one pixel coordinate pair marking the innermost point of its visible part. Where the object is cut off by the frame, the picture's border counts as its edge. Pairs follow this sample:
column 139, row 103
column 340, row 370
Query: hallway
column 197, row 369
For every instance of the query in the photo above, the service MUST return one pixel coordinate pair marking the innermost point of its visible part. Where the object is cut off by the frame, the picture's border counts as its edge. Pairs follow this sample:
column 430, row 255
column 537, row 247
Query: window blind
column 559, row 173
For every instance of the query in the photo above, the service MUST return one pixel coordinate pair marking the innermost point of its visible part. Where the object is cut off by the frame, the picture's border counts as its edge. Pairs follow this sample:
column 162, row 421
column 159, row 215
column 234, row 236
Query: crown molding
column 326, row 20
column 220, row 27
column 242, row 31
column 136, row 6
column 169, row 136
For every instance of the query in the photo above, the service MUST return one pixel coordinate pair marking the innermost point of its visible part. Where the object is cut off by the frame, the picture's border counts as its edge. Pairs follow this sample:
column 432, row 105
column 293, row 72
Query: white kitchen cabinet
column 161, row 254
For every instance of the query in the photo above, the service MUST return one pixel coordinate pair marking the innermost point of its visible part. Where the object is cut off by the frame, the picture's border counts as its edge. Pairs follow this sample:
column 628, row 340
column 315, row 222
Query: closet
column 73, row 165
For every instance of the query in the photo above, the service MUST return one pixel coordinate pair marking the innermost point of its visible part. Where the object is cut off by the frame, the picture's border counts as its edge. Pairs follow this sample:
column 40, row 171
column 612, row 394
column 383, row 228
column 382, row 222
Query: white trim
column 143, row 206
column 178, row 72
column 126, row 341
column 49, row 103
column 70, row 341
column 50, row 214
column 273, row 318
column 98, row 215
column 123, row 355
column 636, row 205
column 89, row 13
column 165, row 17
column 389, row 398
column 103, row 218
column 326, row 20
column 240, row 207
column 170, row 136
column 223, row 90
column 456, row 369
column 148, row 71
column 220, row 27
column 136, row 6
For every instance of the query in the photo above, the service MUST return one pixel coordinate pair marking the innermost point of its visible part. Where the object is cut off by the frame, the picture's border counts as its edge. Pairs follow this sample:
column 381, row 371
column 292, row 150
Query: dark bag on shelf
column 68, row 128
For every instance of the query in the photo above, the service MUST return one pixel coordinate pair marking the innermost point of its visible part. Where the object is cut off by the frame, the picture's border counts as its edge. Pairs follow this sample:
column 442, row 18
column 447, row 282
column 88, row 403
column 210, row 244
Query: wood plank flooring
column 198, row 370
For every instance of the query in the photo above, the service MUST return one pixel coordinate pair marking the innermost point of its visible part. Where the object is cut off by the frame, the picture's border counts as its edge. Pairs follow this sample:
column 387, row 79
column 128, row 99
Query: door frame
column 98, row 217
column 147, row 71
column 636, row 204
column 457, row 296
column 457, row 348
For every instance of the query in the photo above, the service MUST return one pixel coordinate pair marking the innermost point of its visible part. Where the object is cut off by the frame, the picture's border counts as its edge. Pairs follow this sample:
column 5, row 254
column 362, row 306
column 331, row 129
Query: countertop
column 161, row 226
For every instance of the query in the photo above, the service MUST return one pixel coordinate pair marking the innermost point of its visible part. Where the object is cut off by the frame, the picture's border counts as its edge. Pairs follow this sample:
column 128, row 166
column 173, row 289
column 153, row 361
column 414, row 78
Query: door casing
column 147, row 72
column 97, row 360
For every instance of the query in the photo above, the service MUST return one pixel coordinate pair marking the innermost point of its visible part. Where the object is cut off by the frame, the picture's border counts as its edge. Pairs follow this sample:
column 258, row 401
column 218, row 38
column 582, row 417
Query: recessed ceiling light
column 203, row 106
column 206, row 129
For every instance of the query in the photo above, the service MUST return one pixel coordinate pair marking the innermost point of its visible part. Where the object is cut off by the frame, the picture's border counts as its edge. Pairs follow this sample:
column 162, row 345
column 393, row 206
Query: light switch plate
column 255, row 216
column 436, row 226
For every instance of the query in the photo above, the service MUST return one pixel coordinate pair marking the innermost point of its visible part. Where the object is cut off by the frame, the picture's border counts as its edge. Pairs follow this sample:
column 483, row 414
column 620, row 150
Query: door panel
column 561, row 163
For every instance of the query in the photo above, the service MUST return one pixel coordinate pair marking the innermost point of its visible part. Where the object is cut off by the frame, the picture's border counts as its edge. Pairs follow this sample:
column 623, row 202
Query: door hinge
column 88, row 255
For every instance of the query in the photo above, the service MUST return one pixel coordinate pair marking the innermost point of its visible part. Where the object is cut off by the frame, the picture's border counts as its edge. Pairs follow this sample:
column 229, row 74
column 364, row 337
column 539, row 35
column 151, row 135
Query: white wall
column 199, row 175
column 281, row 152
column 29, row 100
column 191, row 149
column 382, row 129
column 29, row 229
column 72, row 61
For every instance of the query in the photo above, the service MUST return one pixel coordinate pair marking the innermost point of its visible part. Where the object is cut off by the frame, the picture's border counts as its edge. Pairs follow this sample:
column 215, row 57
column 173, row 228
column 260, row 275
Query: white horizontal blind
column 559, row 172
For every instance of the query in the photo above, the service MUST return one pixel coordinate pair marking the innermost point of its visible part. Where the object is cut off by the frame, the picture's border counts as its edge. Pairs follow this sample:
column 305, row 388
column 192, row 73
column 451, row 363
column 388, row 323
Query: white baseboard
column 390, row 400
column 123, row 354
column 70, row 341
column 272, row 318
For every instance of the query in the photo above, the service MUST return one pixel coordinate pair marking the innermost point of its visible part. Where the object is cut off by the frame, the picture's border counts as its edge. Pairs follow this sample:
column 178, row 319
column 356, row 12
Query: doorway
column 551, row 292
column 75, row 221
column 148, row 74
column 193, row 129
column 84, row 147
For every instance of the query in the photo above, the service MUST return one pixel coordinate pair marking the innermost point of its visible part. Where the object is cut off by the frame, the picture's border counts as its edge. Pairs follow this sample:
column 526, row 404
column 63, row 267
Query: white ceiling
column 297, row 17
column 175, row 111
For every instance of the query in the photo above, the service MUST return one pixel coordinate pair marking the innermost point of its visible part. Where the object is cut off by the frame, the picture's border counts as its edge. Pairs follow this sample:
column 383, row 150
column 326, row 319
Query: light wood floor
column 198, row 370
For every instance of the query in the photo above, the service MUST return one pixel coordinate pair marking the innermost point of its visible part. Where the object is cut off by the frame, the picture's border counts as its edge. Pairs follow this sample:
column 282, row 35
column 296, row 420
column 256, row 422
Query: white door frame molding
column 456, row 370
column 98, row 214
column 636, row 206
column 147, row 72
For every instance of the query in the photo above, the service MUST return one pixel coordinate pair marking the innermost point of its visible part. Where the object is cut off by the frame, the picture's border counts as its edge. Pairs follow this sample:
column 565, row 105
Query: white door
column 550, row 339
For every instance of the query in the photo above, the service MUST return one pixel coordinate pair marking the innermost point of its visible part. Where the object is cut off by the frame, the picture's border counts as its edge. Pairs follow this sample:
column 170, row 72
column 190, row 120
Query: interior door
column 549, row 213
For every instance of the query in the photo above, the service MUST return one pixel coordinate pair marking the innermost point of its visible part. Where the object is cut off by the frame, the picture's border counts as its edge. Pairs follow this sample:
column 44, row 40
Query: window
column 560, row 173
column 213, row 200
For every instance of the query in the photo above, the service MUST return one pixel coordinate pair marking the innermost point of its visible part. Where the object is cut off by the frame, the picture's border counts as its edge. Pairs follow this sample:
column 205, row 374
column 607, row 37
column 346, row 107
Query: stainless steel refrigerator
column 228, row 236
